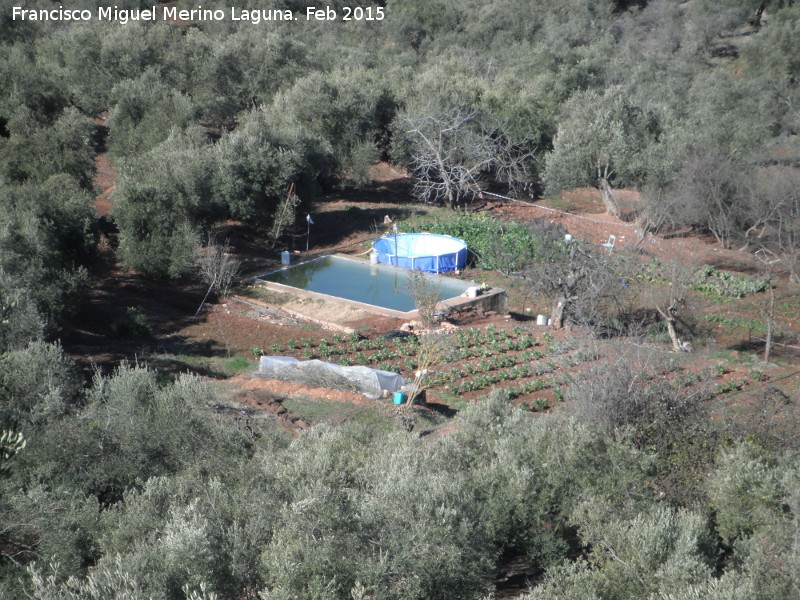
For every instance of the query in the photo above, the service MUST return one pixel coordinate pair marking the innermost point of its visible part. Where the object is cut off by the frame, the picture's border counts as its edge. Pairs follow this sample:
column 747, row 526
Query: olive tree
column 585, row 285
column 157, row 238
column 46, row 249
column 600, row 139
column 34, row 152
column 709, row 191
column 754, row 495
column 20, row 321
column 665, row 287
column 164, row 200
column 260, row 160
column 145, row 112
column 352, row 110
column 659, row 552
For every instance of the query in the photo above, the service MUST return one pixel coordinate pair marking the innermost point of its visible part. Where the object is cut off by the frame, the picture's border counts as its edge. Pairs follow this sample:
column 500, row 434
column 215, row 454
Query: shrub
column 38, row 384
column 134, row 326
column 505, row 246
column 46, row 247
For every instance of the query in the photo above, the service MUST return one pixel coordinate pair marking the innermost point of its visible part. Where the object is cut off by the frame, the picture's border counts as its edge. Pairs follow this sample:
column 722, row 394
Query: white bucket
column 472, row 292
column 286, row 258
column 373, row 258
column 541, row 320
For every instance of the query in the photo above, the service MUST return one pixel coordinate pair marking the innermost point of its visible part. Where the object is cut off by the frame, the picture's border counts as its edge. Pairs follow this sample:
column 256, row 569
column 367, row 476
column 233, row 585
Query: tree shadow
column 442, row 409
column 333, row 227
column 126, row 316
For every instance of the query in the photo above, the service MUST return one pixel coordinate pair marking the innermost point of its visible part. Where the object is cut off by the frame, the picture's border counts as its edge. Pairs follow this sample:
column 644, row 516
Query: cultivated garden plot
column 630, row 169
column 533, row 367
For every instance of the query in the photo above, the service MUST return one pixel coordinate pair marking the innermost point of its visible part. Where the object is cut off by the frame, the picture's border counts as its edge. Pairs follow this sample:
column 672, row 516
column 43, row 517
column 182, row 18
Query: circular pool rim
column 428, row 252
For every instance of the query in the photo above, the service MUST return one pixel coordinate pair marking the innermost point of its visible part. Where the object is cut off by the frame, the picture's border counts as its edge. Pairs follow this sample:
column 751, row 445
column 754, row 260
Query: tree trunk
column 756, row 22
column 449, row 199
column 669, row 318
column 791, row 262
column 610, row 201
column 673, row 335
column 770, row 314
column 557, row 314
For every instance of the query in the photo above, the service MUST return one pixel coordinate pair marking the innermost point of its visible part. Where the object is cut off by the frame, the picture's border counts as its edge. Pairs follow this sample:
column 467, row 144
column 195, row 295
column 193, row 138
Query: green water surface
column 379, row 285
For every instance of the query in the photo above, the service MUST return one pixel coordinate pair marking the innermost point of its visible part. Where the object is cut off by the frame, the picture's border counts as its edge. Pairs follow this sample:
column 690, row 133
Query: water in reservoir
column 379, row 285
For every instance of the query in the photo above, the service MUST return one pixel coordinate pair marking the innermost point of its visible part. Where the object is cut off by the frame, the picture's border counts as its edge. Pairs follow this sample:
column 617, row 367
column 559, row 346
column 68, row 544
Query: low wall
column 495, row 299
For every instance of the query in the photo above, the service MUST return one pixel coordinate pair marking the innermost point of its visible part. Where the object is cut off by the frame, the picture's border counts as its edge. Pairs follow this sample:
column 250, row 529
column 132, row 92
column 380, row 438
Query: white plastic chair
column 612, row 239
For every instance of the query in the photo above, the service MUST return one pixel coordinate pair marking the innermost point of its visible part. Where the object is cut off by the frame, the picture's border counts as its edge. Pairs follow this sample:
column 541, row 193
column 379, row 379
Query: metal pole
column 396, row 260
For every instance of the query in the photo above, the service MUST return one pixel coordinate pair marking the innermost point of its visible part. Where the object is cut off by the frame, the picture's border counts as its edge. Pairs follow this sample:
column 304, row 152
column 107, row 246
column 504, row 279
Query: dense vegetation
column 135, row 484
column 695, row 104
column 128, row 487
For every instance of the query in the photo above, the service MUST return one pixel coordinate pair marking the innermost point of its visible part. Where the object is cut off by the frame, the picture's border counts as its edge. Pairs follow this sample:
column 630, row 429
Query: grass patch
column 559, row 203
column 226, row 366
column 741, row 324
column 263, row 294
column 320, row 411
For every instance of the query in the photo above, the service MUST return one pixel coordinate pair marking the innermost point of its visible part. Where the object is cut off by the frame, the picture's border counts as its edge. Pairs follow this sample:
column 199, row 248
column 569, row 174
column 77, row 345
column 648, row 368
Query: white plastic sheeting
column 318, row 373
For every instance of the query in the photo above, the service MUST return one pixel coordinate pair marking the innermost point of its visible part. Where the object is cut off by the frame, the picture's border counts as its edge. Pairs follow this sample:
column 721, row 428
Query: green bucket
column 399, row 398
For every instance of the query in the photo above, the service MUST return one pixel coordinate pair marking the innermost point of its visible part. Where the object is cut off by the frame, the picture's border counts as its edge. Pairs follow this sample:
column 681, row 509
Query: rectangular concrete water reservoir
column 376, row 285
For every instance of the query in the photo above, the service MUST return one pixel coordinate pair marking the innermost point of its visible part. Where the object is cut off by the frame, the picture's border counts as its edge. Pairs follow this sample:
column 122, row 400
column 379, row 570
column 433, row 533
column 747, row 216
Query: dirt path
column 584, row 217
column 104, row 175
column 104, row 180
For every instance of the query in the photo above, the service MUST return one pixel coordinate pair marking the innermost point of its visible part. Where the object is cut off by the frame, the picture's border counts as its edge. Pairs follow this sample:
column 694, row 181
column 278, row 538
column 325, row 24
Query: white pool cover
column 428, row 252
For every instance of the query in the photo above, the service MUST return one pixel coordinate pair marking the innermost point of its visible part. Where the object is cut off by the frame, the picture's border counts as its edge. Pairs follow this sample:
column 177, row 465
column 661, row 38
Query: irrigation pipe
column 776, row 343
column 569, row 214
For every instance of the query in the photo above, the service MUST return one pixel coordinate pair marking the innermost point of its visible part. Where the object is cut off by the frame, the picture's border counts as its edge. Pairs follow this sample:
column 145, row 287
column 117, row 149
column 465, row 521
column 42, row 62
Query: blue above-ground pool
column 428, row 252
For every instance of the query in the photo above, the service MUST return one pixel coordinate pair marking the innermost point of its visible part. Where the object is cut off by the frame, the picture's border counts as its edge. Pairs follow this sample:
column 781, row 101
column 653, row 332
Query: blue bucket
column 399, row 398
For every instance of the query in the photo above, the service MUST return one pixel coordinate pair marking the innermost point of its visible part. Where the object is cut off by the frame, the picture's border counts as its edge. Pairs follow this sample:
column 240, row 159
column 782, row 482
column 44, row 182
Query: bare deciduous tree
column 787, row 236
column 582, row 283
column 452, row 153
column 665, row 288
column 773, row 216
column 426, row 295
column 432, row 353
column 284, row 215
column 218, row 268
column 432, row 348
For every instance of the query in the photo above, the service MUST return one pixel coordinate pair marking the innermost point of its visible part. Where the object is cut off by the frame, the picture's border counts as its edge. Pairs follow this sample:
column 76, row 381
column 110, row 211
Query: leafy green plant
column 134, row 326
column 541, row 404
column 505, row 246
column 724, row 284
